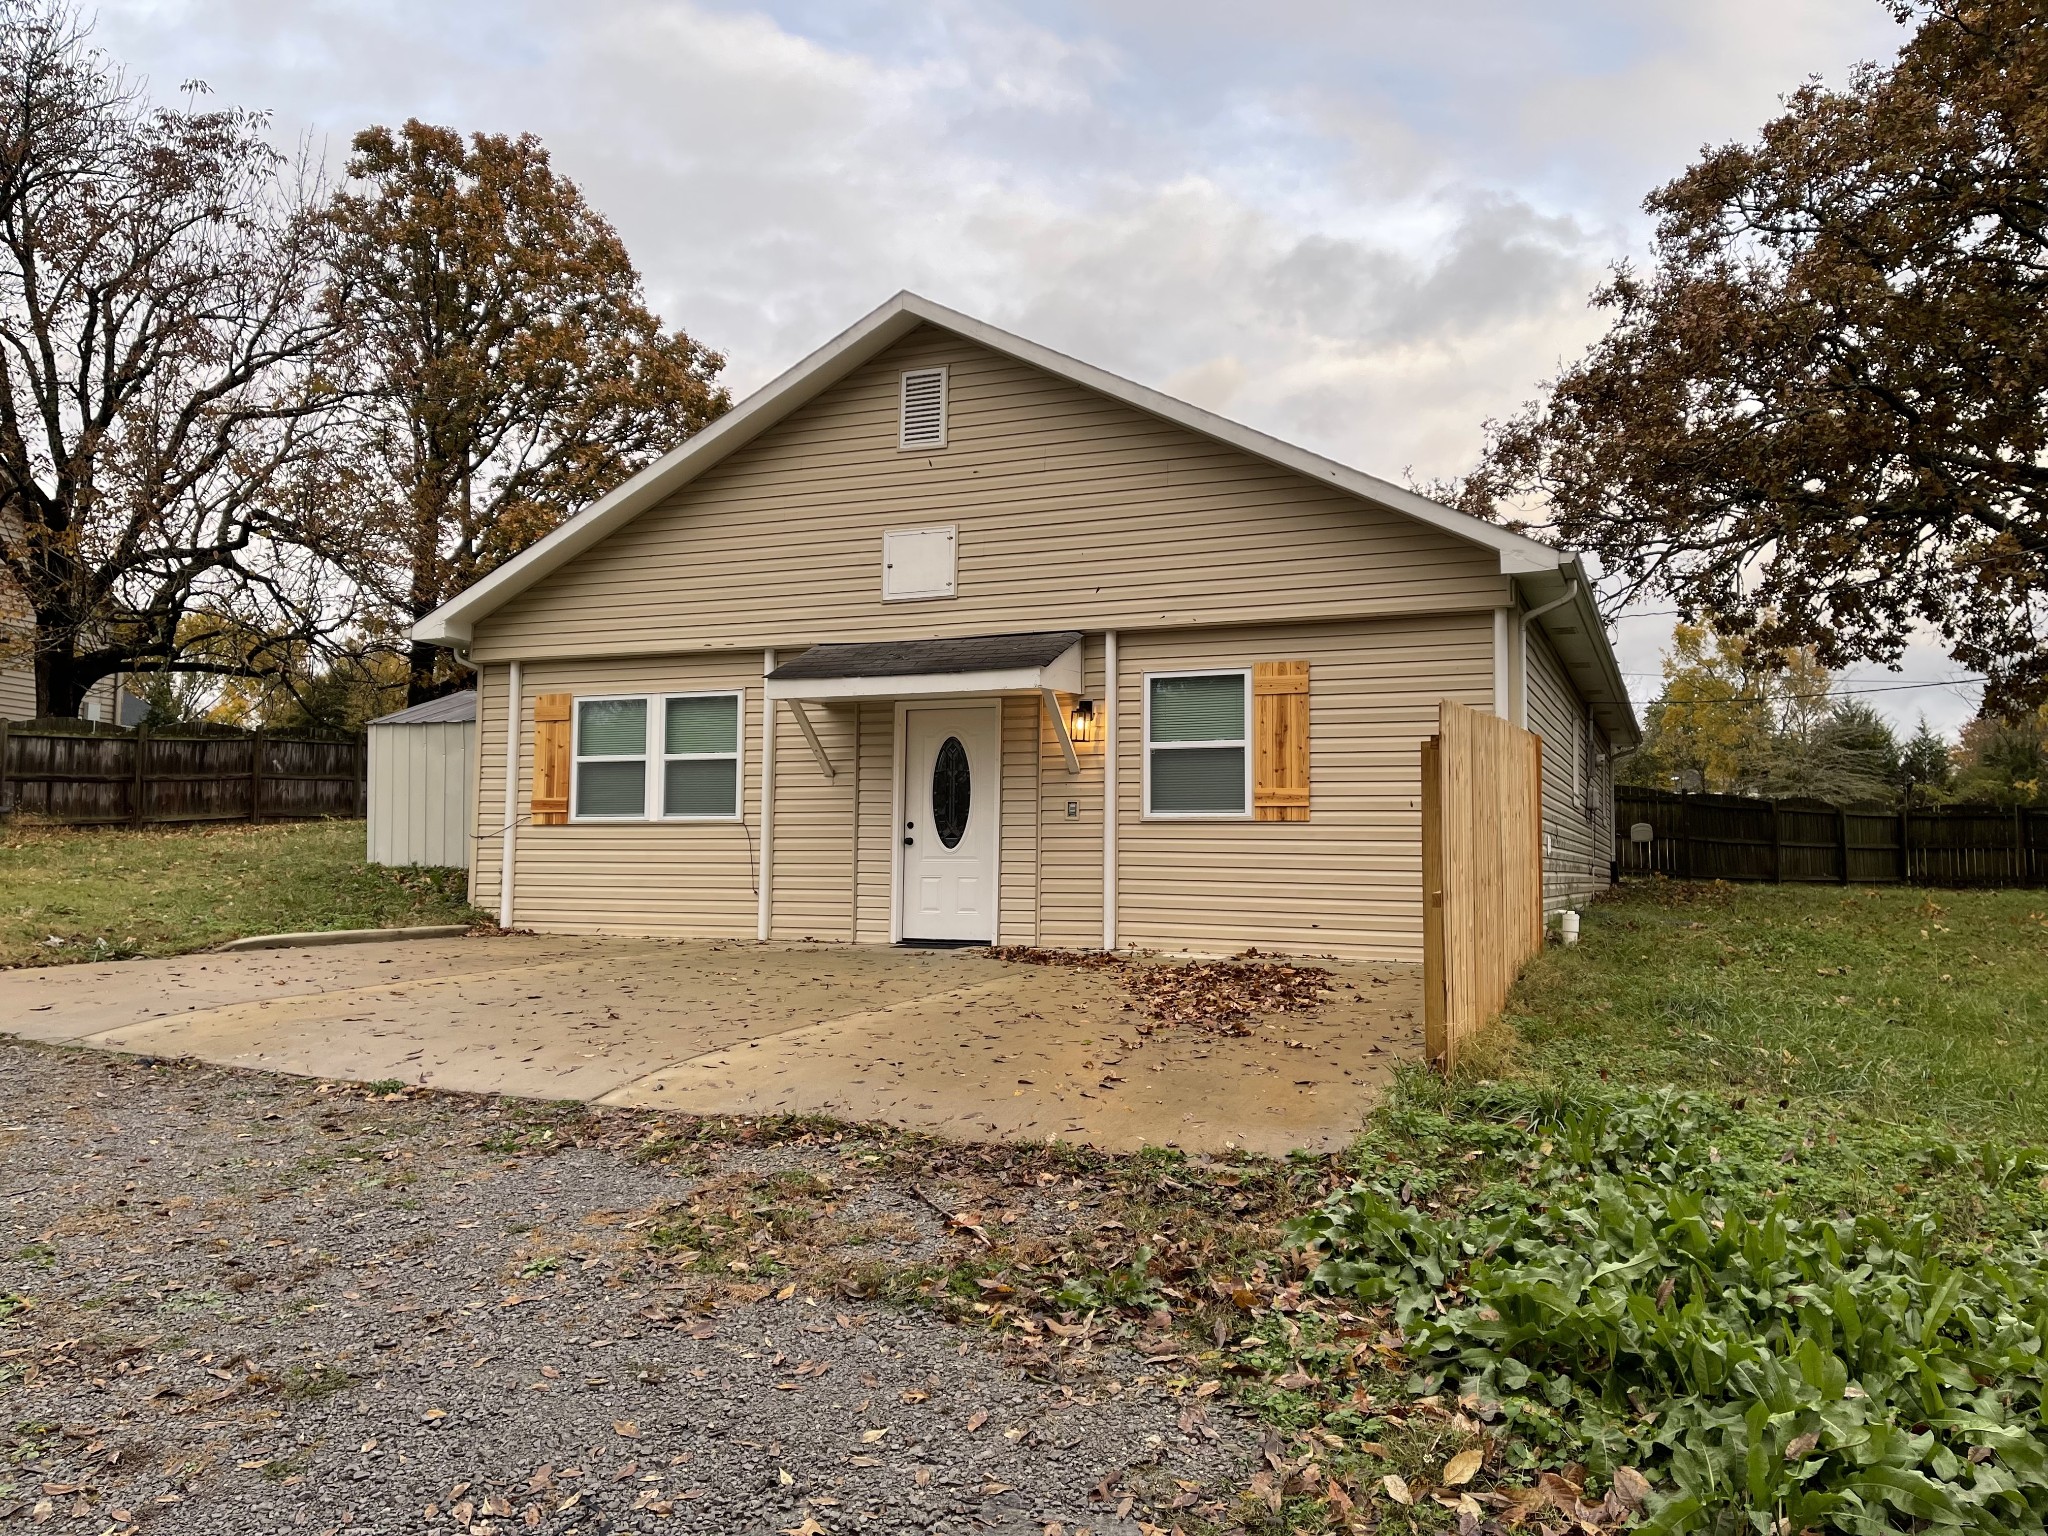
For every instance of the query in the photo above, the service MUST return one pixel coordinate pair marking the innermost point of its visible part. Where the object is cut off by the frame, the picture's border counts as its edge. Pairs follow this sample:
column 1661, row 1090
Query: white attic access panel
column 919, row 563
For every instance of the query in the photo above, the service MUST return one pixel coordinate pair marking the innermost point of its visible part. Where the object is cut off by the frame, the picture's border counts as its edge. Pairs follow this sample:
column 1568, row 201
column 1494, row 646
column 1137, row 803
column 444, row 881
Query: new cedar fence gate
column 109, row 776
column 1731, row 837
column 1482, row 871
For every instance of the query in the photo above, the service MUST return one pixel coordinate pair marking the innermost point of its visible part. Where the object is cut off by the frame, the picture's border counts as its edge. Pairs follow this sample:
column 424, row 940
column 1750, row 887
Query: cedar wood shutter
column 1280, row 741
column 551, row 759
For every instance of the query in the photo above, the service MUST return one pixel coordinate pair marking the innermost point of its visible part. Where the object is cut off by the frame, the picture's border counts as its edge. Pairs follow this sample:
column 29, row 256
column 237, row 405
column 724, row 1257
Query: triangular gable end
column 453, row 623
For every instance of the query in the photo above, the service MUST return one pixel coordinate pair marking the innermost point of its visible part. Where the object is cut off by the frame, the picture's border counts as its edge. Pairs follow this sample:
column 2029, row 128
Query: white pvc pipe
column 1500, row 662
column 765, row 917
column 1109, row 789
column 508, row 841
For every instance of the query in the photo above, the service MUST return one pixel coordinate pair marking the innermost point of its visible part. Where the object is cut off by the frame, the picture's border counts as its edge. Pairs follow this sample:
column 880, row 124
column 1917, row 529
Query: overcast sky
column 1365, row 226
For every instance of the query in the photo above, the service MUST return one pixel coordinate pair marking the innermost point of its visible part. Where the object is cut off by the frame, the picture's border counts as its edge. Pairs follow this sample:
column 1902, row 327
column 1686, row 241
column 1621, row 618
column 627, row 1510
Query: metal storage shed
column 421, row 781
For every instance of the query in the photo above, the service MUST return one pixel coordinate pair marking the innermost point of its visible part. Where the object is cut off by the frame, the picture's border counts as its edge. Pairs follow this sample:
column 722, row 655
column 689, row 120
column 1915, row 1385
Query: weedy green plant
column 1629, row 1298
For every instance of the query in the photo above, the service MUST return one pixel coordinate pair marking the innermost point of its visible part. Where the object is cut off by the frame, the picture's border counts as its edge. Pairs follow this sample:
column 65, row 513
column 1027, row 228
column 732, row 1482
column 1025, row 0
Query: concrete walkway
column 947, row 1041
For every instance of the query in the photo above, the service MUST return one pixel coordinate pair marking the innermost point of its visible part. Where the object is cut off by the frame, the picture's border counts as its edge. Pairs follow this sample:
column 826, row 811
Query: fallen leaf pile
column 1221, row 997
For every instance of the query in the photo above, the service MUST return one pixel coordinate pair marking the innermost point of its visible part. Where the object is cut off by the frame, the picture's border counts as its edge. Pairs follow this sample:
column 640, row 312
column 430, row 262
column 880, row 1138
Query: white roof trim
column 1062, row 674
column 453, row 623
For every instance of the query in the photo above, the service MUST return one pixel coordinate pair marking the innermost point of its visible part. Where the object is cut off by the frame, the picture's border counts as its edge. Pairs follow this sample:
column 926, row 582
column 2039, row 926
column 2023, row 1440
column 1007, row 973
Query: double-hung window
column 700, row 756
column 674, row 757
column 1197, row 744
column 611, row 760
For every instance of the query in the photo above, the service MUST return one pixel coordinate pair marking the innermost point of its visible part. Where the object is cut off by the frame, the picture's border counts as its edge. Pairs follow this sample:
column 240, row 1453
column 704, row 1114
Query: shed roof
column 909, row 658
column 450, row 709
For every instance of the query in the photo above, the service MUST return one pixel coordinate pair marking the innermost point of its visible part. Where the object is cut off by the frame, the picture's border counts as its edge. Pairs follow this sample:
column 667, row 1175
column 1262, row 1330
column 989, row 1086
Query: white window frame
column 1148, row 746
column 903, row 445
column 576, row 703
column 657, row 741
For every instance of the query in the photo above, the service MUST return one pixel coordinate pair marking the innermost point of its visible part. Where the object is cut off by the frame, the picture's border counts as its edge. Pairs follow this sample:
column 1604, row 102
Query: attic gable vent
column 924, row 409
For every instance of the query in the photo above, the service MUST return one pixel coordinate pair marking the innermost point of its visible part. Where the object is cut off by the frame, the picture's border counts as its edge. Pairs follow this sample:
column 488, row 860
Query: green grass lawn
column 104, row 894
column 1738, row 1221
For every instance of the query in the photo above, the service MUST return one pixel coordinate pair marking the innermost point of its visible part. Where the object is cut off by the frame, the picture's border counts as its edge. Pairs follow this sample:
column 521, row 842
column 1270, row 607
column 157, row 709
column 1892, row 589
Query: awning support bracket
column 803, row 723
column 1058, row 717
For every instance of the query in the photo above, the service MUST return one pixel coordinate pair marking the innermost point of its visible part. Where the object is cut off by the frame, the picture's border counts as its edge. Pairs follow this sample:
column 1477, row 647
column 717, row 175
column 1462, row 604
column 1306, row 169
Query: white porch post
column 1109, row 789
column 508, row 840
column 764, row 919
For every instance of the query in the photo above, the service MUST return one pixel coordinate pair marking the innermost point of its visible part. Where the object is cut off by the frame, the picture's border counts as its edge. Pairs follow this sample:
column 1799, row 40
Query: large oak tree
column 513, row 372
column 161, row 350
column 1821, row 415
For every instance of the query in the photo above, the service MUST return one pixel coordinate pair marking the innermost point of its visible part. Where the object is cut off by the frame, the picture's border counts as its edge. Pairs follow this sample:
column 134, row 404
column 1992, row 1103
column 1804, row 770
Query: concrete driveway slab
column 949, row 1041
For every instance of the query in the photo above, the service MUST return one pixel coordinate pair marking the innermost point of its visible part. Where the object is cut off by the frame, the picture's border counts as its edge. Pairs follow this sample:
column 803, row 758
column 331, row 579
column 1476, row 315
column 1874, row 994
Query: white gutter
column 508, row 843
column 1109, row 765
column 1522, row 702
column 764, row 919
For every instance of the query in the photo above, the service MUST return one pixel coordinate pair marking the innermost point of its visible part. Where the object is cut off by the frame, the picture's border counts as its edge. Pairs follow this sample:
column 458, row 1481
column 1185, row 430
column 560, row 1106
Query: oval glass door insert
column 950, row 792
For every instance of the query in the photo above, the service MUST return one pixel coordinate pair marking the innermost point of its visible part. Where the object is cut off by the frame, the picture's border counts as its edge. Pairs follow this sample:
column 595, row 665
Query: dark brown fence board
column 110, row 777
column 1730, row 837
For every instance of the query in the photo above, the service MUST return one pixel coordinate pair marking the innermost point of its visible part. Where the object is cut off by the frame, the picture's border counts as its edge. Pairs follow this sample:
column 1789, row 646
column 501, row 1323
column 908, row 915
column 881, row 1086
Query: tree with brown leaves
column 514, row 372
column 1821, row 418
column 161, row 368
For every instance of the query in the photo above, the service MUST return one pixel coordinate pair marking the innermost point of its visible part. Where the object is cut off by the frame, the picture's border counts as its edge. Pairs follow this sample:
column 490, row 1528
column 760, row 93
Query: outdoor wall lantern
column 1082, row 727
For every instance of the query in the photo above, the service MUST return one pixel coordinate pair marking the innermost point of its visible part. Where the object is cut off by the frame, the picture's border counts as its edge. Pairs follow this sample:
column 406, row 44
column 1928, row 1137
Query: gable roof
column 453, row 623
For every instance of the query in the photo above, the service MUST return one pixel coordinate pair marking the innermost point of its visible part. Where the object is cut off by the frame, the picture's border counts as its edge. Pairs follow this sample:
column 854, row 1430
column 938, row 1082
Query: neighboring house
column 859, row 661
column 108, row 700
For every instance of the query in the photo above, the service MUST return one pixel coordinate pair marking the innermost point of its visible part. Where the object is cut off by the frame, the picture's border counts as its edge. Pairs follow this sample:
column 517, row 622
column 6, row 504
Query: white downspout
column 763, row 920
column 1500, row 662
column 508, row 843
column 1109, row 789
column 1522, row 701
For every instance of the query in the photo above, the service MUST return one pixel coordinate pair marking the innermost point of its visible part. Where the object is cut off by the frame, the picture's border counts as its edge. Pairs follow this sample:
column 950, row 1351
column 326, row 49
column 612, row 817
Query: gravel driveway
column 237, row 1302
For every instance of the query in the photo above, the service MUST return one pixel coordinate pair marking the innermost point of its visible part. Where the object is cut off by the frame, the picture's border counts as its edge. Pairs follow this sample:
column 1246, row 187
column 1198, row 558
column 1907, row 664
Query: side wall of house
column 1578, row 772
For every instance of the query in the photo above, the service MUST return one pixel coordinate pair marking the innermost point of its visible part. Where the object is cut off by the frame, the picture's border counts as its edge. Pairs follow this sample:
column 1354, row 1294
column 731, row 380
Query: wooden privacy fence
column 1482, row 871
column 1731, row 837
column 113, row 777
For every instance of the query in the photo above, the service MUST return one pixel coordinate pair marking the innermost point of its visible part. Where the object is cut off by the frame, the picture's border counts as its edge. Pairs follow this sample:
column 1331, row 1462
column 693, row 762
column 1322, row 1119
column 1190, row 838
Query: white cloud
column 1363, row 226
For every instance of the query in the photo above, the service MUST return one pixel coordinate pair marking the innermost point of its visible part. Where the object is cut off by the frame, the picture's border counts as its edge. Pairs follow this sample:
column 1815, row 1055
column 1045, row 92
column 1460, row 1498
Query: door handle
column 909, row 842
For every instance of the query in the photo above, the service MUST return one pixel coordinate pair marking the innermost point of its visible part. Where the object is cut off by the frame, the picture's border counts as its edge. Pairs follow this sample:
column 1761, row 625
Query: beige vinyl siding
column 876, row 832
column 487, row 787
column 1073, row 510
column 17, row 693
column 1346, row 882
column 684, row 879
column 1578, row 847
column 1017, row 898
column 1070, row 850
column 811, row 896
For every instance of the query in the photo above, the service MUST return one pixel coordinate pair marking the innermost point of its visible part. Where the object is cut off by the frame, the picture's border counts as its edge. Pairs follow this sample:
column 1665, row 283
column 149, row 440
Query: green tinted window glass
column 611, row 789
column 703, row 725
column 701, row 786
column 612, row 728
column 1198, row 708
column 1199, row 780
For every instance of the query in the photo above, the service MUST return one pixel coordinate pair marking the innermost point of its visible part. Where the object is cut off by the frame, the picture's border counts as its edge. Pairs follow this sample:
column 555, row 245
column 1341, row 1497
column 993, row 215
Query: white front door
column 947, row 821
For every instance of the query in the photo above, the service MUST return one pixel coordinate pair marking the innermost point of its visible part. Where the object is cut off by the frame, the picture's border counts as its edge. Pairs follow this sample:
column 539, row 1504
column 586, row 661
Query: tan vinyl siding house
column 940, row 559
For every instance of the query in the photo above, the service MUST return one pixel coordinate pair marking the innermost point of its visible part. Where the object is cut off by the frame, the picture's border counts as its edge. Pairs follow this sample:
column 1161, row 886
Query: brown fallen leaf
column 626, row 1428
column 1397, row 1488
column 1463, row 1467
column 976, row 1419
